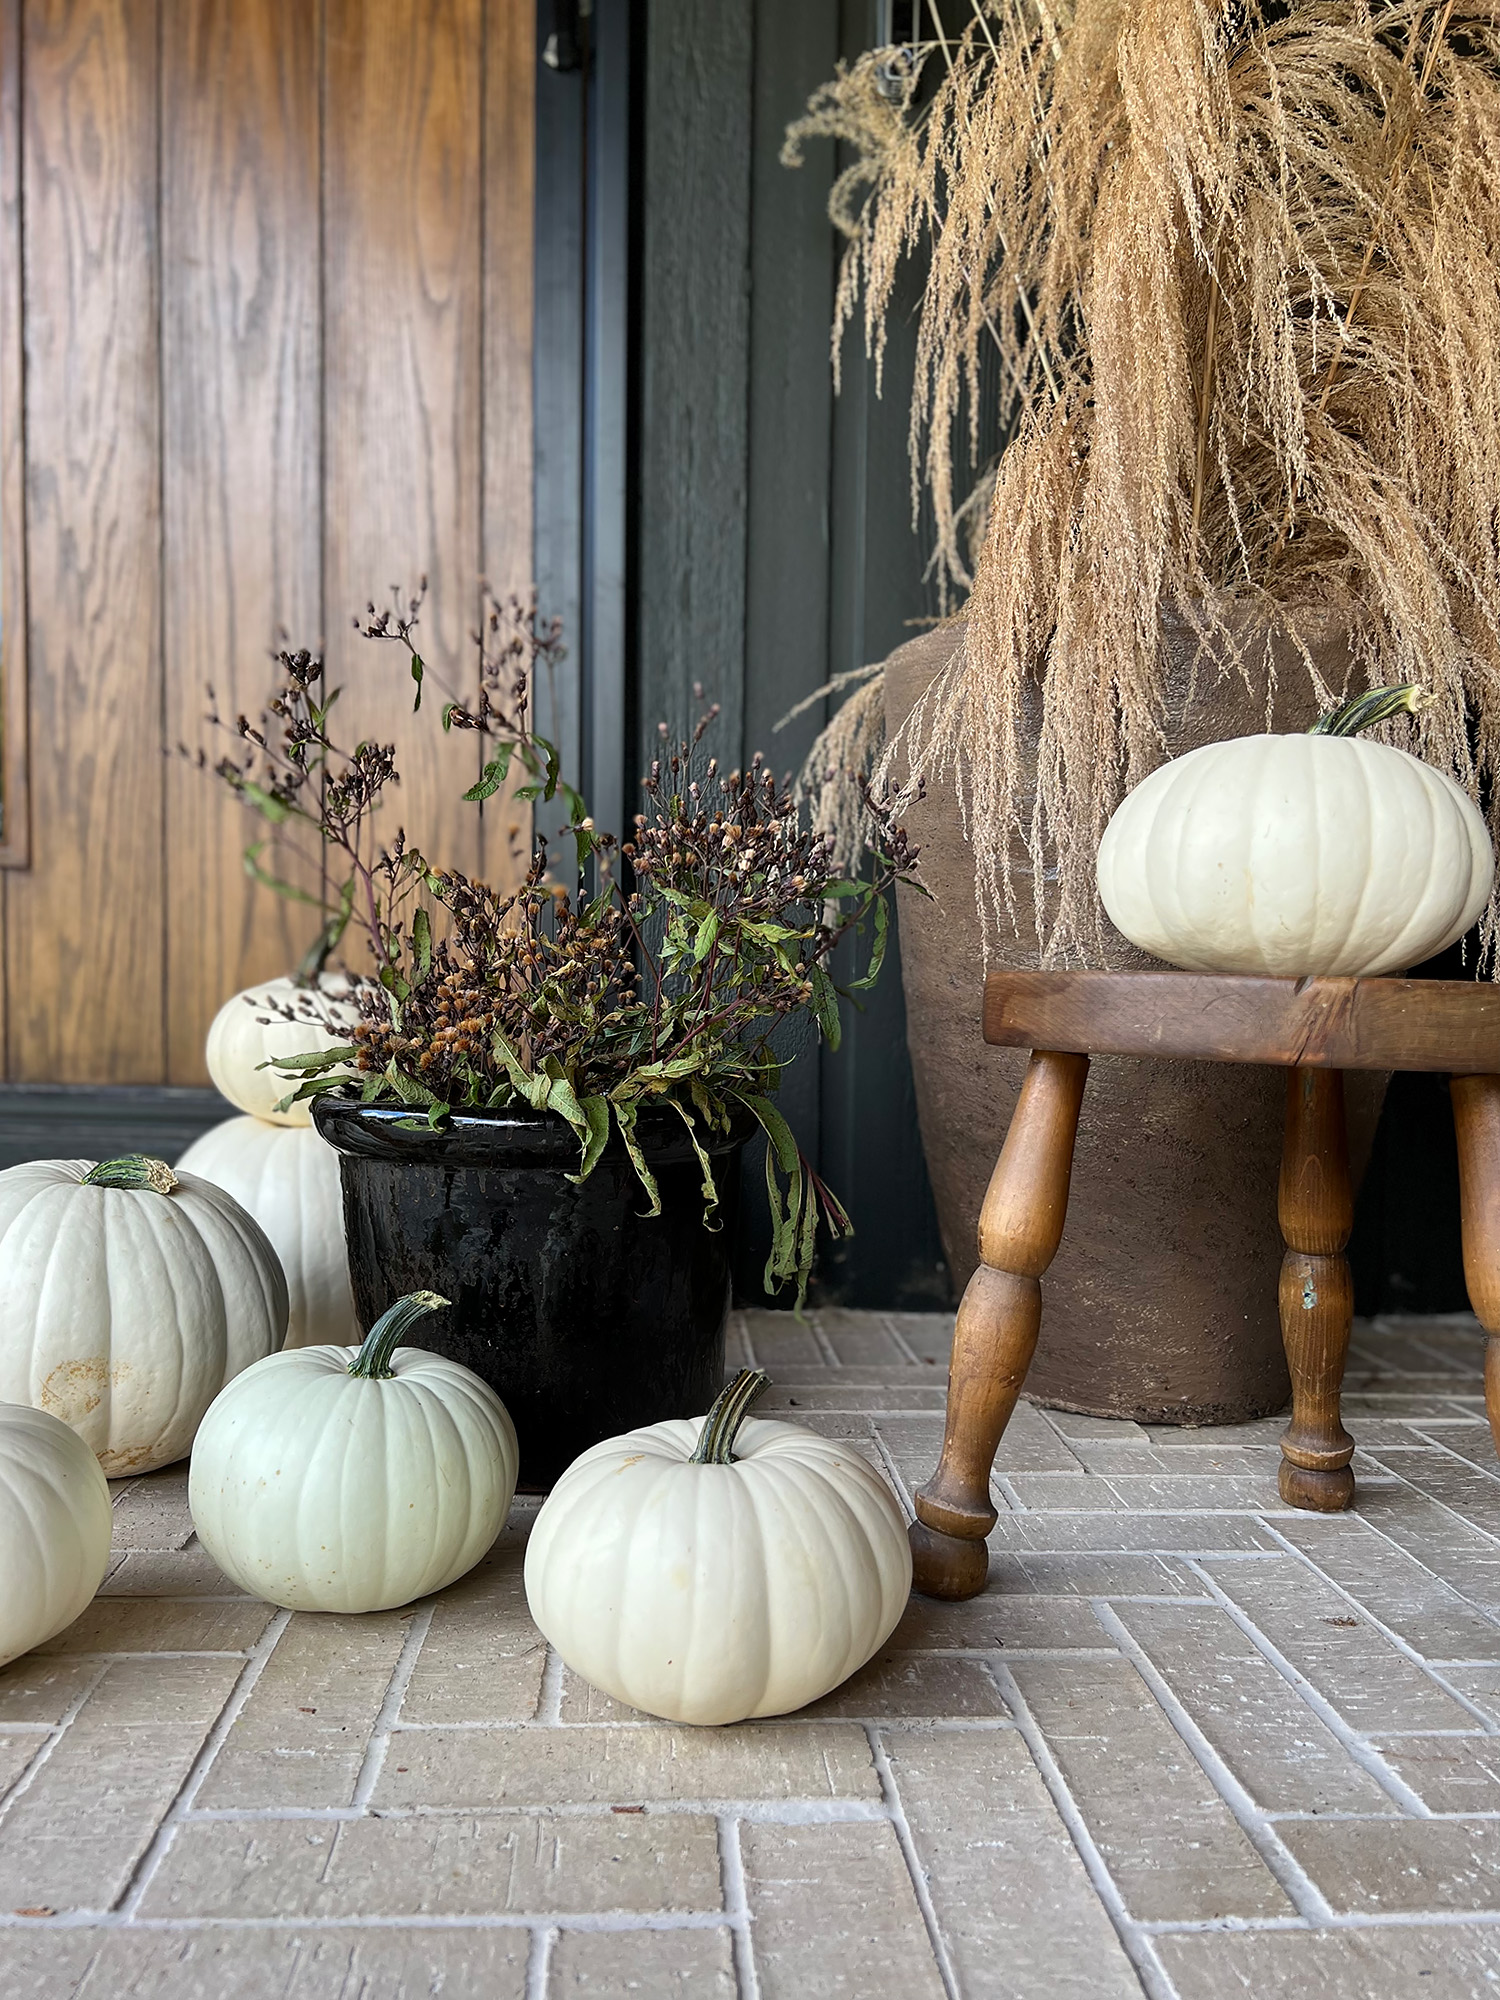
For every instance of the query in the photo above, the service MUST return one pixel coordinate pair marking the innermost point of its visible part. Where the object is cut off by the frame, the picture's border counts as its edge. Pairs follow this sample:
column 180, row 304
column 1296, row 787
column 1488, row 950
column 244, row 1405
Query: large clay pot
column 1161, row 1304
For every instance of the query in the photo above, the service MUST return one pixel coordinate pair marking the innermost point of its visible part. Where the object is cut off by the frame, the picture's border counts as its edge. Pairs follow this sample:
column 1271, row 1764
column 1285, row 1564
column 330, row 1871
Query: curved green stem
column 720, row 1426
column 133, row 1170
column 373, row 1361
column 1374, row 705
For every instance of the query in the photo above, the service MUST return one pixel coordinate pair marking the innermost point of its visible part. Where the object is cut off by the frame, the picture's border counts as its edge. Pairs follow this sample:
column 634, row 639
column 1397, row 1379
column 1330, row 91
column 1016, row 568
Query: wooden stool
column 1316, row 1028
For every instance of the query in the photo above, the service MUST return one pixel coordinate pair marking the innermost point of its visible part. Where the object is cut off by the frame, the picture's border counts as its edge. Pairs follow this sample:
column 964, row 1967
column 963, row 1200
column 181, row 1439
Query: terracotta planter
column 1161, row 1304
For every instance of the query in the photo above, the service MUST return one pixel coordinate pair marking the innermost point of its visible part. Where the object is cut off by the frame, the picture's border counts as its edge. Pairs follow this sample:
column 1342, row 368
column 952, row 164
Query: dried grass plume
column 1237, row 268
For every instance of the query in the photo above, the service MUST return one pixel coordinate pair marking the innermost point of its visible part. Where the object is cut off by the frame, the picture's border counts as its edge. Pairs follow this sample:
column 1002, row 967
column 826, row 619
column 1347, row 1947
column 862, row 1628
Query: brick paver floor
column 1189, row 1743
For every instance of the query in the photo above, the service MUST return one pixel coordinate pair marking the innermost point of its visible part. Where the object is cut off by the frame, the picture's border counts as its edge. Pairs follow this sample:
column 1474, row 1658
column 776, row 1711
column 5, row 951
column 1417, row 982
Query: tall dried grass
column 1239, row 267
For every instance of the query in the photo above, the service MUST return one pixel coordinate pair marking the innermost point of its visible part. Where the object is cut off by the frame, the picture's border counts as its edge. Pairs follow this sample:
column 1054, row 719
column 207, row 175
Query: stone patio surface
column 1189, row 1743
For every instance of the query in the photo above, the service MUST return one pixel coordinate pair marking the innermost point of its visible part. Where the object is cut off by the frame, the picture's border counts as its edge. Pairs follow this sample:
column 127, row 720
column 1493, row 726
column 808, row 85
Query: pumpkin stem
column 373, row 1361
column 133, row 1170
column 720, row 1426
column 1374, row 705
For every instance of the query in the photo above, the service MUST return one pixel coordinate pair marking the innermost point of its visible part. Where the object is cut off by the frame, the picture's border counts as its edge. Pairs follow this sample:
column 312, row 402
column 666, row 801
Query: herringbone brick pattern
column 1189, row 1743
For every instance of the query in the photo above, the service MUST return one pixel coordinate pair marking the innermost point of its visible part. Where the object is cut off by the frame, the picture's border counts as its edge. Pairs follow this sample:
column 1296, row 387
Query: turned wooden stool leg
column 1476, row 1117
column 1317, row 1293
column 1019, row 1231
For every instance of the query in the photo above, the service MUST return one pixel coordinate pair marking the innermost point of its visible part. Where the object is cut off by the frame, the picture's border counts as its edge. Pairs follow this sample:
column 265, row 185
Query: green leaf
column 533, row 1089
column 274, row 882
column 436, row 1113
column 314, row 1063
column 708, row 933
column 493, row 776
column 277, row 811
column 421, row 940
column 625, row 1116
column 707, row 1187
column 596, row 1117
column 825, row 1001
column 417, row 671
column 877, row 948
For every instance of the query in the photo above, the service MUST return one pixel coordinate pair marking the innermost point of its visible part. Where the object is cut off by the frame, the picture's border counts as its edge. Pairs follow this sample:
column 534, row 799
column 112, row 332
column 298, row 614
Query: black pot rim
column 516, row 1138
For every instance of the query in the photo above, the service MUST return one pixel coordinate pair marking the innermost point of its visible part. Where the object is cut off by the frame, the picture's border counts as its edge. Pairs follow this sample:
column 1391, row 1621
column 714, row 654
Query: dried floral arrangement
column 1236, row 268
column 710, row 925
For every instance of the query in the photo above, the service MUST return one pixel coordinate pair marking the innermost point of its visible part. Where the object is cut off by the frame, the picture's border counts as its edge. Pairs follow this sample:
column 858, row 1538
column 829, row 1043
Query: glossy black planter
column 586, row 1316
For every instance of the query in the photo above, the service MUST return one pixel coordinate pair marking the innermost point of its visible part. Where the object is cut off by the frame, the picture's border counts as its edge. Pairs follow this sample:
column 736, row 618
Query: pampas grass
column 1237, row 268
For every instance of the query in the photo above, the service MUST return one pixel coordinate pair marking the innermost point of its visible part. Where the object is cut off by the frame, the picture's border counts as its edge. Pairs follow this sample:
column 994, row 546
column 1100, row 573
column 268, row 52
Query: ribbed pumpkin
column 353, row 1479
column 1298, row 855
column 132, row 1295
column 252, row 1029
column 712, row 1569
column 54, row 1527
column 287, row 1177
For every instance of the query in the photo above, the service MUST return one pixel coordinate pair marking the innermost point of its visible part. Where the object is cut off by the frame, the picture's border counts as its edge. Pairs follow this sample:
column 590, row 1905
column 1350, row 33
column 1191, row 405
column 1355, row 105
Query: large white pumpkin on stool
column 707, row 1572
column 55, row 1525
column 1298, row 855
column 131, row 1296
column 353, row 1479
column 253, row 1029
column 287, row 1177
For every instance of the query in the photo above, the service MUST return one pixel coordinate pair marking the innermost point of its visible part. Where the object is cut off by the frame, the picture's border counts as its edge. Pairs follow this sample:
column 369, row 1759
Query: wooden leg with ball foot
column 1316, row 1206
column 1476, row 1118
column 1020, row 1228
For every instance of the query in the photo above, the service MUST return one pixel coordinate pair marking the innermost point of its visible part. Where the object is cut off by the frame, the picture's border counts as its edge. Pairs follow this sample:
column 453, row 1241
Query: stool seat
column 1315, row 1029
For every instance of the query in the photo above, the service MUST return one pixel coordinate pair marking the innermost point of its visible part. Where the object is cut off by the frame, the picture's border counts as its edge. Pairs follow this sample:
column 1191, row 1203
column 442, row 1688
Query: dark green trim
column 62, row 1121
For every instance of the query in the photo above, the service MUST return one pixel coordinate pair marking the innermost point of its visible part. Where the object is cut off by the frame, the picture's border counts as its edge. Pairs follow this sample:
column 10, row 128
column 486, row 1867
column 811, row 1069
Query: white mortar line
column 539, row 1962
column 893, row 1473
column 390, row 1708
column 51, row 1739
column 187, row 1791
column 1137, row 1945
column 1304, row 1895
column 822, row 1342
column 887, row 1320
column 1368, row 1759
column 891, row 1793
column 1394, row 1638
column 736, row 1912
column 549, row 1695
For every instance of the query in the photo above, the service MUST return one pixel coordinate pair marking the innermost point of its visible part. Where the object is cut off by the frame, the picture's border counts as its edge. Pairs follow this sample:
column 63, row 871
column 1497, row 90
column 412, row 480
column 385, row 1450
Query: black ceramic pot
column 586, row 1316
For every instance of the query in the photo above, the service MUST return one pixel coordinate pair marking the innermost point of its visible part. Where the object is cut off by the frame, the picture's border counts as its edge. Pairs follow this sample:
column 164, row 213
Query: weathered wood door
column 265, row 349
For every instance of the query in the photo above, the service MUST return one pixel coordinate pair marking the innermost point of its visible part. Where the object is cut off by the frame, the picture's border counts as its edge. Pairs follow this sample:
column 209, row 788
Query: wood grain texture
column 998, row 1321
column 84, row 924
column 508, row 253
column 402, row 391
column 1476, row 1119
column 695, row 367
column 1380, row 1024
column 241, row 472
column 14, row 816
column 1316, row 1206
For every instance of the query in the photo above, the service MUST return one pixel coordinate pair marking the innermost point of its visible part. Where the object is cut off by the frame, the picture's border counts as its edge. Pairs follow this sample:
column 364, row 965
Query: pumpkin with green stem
column 132, row 1295
column 716, row 1568
column 1293, row 856
column 353, row 1479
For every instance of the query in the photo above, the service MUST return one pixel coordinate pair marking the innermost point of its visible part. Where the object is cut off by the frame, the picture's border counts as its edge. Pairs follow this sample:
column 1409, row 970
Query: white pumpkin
column 353, row 1479
column 287, row 1177
column 54, row 1527
column 131, row 1296
column 707, row 1572
column 252, row 1029
column 1298, row 855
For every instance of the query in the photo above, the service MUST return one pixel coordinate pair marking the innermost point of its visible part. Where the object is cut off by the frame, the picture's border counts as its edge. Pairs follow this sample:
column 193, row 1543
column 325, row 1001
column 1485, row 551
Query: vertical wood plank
column 695, row 358
column 241, row 465
column 508, row 253
column 402, row 393
column 84, row 924
column 14, row 817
